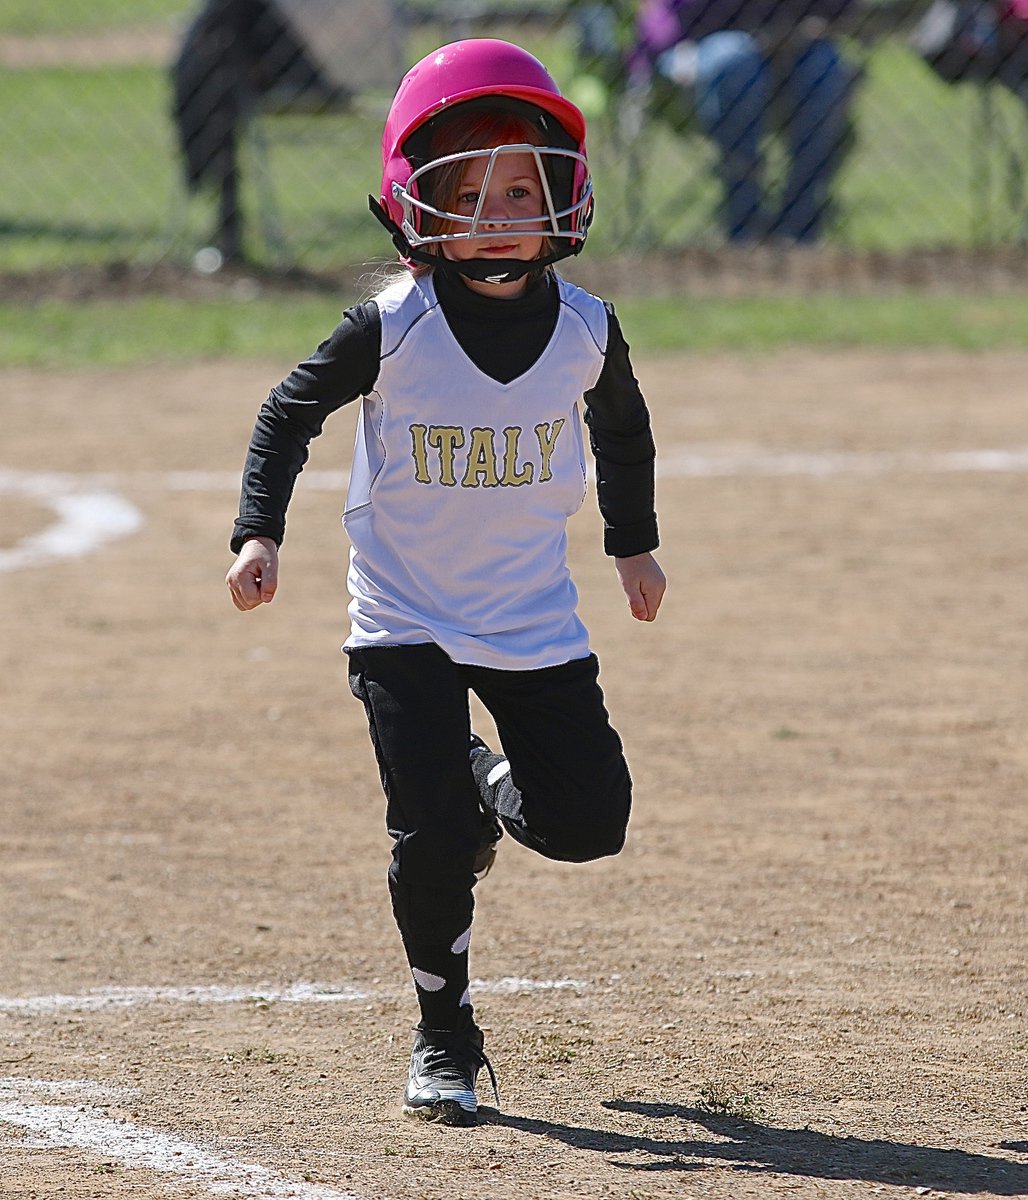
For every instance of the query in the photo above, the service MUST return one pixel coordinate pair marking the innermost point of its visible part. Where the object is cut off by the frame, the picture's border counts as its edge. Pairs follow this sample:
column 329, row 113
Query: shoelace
column 492, row 1075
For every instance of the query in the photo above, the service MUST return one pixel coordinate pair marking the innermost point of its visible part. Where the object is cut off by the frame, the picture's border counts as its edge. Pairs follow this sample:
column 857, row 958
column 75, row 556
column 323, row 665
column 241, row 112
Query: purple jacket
column 663, row 23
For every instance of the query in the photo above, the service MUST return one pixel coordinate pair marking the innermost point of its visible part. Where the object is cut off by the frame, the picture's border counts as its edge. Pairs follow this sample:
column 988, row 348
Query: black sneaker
column 444, row 1065
column 492, row 830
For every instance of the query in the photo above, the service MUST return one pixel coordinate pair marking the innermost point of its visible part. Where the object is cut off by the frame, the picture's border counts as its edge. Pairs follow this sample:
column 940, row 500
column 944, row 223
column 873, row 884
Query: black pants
column 567, row 794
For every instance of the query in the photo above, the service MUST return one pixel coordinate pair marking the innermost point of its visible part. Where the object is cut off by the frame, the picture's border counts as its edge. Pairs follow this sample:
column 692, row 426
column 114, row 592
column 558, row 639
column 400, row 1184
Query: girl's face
column 515, row 192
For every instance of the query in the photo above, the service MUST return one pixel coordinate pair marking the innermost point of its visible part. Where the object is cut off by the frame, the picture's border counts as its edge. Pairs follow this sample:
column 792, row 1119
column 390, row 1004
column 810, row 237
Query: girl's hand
column 253, row 577
column 644, row 584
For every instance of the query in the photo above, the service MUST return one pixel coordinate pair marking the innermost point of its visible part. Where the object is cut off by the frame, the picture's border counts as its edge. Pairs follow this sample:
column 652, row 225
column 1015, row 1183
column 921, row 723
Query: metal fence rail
column 98, row 167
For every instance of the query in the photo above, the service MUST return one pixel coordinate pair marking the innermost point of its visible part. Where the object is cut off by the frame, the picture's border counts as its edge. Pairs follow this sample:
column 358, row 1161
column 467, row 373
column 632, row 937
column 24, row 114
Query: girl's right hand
column 643, row 583
column 253, row 577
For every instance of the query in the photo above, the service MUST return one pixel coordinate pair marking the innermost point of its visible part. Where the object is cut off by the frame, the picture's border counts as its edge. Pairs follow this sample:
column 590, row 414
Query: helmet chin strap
column 483, row 270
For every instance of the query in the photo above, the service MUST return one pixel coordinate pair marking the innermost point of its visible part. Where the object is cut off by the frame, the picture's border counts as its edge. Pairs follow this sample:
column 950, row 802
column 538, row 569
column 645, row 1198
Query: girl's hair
column 478, row 128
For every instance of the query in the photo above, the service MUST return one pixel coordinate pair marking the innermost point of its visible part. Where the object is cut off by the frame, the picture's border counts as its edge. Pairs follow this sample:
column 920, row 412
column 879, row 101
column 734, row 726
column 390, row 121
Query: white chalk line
column 41, row 1109
column 28, row 1104
column 742, row 461
column 99, row 999
column 91, row 510
column 88, row 515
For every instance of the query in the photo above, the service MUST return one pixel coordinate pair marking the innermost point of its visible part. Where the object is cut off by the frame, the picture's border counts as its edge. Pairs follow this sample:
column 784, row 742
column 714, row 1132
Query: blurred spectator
column 1013, row 46
column 754, row 65
column 236, row 54
column 986, row 40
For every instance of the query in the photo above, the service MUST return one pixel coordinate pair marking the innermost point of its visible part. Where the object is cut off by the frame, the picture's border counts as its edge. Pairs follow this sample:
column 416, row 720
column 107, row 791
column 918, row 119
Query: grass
column 284, row 329
column 719, row 1098
column 29, row 18
column 767, row 323
column 96, row 167
column 32, row 18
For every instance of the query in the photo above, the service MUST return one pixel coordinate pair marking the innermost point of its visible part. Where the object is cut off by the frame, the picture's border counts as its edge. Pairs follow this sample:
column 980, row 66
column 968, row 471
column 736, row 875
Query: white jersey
column 461, row 489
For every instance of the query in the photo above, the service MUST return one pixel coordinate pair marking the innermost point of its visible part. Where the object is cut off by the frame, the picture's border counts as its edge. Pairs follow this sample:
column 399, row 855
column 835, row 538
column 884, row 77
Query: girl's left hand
column 644, row 584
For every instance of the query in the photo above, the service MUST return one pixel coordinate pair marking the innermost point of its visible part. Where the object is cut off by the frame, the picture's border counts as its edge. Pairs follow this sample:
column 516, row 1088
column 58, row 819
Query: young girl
column 469, row 460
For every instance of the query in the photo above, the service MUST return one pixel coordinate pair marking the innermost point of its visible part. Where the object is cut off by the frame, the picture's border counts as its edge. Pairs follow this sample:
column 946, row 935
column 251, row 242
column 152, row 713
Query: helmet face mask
column 505, row 84
column 563, row 222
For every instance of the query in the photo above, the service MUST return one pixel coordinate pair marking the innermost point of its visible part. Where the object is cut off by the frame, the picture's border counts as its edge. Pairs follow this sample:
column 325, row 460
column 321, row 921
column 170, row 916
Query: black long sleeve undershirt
column 503, row 338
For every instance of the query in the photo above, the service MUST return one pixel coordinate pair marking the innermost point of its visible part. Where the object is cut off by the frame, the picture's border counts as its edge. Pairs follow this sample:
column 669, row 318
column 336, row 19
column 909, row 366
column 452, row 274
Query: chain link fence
column 141, row 131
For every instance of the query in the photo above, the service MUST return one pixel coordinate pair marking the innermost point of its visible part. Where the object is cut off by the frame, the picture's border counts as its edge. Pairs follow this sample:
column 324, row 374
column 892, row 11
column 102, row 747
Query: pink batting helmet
column 481, row 69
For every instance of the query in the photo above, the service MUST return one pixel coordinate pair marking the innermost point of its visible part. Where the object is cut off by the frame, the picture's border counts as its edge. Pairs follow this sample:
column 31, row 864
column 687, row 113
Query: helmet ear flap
column 396, row 170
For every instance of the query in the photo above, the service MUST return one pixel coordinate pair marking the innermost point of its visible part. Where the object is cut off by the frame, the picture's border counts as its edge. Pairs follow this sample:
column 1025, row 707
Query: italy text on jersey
column 483, row 457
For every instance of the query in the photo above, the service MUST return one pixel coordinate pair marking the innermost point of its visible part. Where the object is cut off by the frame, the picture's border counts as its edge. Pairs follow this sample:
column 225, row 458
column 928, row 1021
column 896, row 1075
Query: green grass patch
column 29, row 18
column 769, row 323
column 99, row 177
column 97, row 174
column 163, row 329
column 286, row 328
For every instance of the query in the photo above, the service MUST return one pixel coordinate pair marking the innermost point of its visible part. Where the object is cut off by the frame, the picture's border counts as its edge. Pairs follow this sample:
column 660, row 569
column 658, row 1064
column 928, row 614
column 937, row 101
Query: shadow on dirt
column 754, row 1148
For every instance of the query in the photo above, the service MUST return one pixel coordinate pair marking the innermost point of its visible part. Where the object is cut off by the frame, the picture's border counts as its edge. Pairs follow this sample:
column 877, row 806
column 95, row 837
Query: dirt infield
column 806, row 975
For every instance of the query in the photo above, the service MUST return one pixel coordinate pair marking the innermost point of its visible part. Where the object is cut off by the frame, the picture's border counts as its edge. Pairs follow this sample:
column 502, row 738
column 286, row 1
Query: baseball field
column 807, row 974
